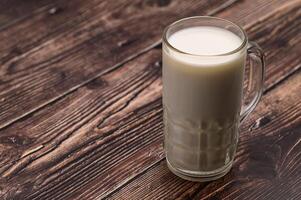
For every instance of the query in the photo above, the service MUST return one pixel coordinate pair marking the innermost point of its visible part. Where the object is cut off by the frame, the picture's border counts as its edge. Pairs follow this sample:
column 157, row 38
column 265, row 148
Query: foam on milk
column 204, row 41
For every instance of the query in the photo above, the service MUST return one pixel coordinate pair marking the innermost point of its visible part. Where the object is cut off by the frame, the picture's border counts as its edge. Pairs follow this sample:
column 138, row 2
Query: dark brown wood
column 14, row 11
column 97, row 138
column 267, row 164
column 163, row 181
column 78, row 43
column 104, row 139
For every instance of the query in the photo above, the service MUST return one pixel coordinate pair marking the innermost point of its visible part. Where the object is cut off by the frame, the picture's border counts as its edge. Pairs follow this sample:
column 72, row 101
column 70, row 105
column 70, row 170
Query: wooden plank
column 55, row 42
column 269, row 155
column 106, row 96
column 267, row 164
column 12, row 11
column 158, row 182
column 81, row 41
column 101, row 136
column 244, row 13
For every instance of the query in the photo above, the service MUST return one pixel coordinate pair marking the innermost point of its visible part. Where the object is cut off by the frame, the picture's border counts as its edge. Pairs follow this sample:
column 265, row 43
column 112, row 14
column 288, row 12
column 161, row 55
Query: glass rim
column 243, row 44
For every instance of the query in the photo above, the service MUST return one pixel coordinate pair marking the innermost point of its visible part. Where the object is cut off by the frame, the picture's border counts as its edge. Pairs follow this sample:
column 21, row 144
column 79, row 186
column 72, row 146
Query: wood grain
column 60, row 52
column 268, row 155
column 104, row 103
column 104, row 134
column 282, row 127
column 153, row 61
column 267, row 164
column 94, row 38
column 14, row 11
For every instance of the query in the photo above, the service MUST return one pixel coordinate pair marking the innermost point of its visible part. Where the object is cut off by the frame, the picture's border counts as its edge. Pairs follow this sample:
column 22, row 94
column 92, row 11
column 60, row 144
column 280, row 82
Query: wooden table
column 81, row 110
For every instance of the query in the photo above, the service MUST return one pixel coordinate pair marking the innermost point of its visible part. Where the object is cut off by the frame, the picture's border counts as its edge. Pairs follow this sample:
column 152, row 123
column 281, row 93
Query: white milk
column 205, row 40
column 202, row 97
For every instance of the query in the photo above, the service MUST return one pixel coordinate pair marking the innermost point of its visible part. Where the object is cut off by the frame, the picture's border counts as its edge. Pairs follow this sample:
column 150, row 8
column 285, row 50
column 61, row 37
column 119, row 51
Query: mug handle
column 256, row 78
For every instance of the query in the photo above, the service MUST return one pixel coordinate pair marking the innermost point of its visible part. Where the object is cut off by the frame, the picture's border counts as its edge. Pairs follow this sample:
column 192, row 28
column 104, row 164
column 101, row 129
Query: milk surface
column 205, row 40
column 202, row 97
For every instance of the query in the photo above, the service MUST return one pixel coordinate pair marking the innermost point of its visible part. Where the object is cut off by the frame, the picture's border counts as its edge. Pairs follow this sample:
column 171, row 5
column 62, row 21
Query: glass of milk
column 203, row 71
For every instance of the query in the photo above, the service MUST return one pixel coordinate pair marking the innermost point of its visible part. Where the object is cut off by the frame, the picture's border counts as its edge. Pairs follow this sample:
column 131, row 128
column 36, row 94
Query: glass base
column 200, row 176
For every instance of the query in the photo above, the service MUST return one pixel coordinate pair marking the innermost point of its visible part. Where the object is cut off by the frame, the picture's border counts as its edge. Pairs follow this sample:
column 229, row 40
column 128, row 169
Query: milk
column 205, row 40
column 202, row 92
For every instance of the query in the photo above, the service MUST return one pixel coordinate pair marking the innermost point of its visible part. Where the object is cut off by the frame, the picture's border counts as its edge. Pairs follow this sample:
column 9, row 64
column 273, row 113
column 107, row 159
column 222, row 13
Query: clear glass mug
column 203, row 106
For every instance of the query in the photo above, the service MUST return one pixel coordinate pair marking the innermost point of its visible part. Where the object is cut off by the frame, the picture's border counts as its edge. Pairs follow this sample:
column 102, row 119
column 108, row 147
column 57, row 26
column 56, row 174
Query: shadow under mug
column 203, row 106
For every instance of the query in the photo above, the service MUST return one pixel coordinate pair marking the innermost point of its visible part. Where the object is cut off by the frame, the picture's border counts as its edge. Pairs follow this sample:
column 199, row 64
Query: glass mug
column 203, row 106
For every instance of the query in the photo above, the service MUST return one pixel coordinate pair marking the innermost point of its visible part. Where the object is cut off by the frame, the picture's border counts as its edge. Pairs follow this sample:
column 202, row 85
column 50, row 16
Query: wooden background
column 81, row 111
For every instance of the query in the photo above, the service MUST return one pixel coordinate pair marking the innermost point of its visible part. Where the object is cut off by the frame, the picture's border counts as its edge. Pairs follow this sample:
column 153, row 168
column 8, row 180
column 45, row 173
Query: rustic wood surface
column 81, row 111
